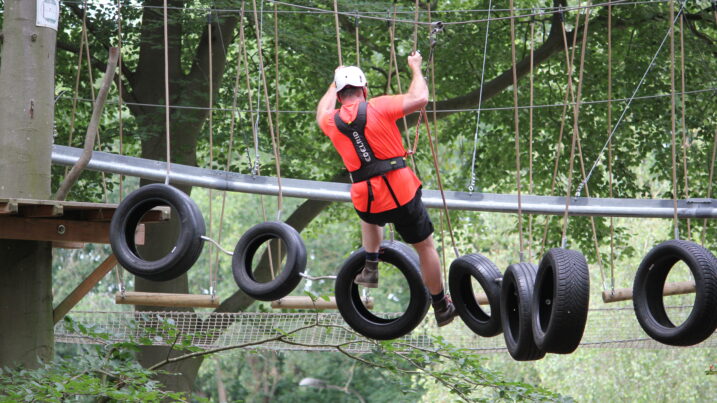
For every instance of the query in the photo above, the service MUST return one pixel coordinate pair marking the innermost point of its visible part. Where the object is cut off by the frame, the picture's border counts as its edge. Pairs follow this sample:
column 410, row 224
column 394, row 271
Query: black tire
column 650, row 281
column 359, row 317
column 459, row 282
column 515, row 312
column 189, row 241
column 289, row 277
column 560, row 301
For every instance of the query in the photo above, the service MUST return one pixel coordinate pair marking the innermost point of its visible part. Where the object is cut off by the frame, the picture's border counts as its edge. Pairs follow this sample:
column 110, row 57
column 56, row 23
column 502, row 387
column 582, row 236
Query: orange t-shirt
column 385, row 140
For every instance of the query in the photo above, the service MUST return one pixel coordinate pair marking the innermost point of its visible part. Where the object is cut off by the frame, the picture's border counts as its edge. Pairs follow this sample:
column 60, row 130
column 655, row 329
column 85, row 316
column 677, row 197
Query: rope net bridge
column 606, row 328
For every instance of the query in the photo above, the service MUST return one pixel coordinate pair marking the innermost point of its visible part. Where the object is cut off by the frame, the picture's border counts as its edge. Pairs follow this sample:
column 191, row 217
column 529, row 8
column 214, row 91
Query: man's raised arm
column 417, row 95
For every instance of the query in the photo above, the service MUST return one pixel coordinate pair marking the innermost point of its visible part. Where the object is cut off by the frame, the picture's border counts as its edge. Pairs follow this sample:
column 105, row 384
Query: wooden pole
column 85, row 286
column 624, row 294
column 167, row 299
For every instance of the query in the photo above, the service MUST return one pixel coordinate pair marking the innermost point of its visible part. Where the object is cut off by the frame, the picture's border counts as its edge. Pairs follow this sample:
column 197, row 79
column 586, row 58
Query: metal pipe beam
column 339, row 192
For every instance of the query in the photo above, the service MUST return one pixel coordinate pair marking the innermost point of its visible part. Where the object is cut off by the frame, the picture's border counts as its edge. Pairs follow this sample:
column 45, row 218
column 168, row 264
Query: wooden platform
column 66, row 224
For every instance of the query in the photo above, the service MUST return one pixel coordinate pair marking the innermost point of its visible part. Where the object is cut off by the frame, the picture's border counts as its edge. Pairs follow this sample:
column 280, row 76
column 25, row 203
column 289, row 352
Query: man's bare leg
column 430, row 265
column 371, row 236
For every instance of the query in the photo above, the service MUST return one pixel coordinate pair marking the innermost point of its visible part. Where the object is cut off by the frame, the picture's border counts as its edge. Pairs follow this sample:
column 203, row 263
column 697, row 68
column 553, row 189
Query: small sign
column 48, row 13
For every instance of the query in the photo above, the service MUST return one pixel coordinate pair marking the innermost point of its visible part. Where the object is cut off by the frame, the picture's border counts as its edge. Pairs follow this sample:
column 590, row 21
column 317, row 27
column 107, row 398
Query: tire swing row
column 540, row 309
column 190, row 243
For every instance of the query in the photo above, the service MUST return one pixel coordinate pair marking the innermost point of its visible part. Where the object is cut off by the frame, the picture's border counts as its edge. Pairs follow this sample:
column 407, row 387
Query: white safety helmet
column 349, row 76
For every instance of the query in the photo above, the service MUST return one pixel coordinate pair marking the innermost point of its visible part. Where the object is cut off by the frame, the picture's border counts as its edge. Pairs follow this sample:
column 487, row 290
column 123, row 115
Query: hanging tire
column 560, row 301
column 189, row 242
column 459, row 281
column 516, row 296
column 289, row 277
column 359, row 317
column 648, row 288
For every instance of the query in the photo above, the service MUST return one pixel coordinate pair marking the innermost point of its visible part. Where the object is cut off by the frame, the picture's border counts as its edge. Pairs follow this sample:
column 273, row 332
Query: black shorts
column 411, row 220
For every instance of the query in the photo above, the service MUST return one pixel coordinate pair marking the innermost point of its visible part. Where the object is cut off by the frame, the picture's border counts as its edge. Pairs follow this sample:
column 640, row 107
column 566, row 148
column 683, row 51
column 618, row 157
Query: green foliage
column 105, row 371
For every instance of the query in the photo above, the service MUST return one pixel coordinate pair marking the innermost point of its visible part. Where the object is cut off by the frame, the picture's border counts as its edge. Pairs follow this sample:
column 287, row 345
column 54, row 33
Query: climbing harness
column 370, row 165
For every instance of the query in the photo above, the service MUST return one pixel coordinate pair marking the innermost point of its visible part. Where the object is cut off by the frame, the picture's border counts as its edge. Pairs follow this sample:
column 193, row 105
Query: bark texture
column 26, row 117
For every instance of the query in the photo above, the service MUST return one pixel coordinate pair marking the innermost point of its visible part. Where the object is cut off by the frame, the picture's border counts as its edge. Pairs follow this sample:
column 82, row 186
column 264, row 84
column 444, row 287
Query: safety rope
column 415, row 26
column 530, row 135
column 609, row 146
column 629, row 102
column 274, row 140
column 212, row 272
column 516, row 127
column 338, row 33
column 77, row 89
column 471, row 186
column 230, row 152
column 393, row 65
column 166, row 94
column 569, row 61
column 576, row 115
column 685, row 143
column 673, row 118
column 270, row 119
column 120, row 94
column 358, row 50
column 712, row 163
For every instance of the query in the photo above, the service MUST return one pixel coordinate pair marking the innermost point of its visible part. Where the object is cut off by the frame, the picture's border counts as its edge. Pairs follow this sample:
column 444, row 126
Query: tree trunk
column 26, row 116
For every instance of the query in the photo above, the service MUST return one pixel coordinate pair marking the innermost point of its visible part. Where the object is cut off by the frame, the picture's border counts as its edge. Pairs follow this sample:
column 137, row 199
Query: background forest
column 243, row 72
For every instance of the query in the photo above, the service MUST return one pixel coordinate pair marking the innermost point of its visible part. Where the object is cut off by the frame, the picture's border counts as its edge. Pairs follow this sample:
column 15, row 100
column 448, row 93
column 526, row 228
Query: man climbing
column 384, row 189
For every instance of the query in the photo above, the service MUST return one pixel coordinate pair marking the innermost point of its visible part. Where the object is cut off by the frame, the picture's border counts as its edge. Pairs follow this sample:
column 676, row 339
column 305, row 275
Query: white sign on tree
column 48, row 13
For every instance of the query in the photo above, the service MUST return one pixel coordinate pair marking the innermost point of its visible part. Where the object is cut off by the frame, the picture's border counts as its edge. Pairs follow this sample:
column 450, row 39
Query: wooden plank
column 301, row 302
column 625, row 294
column 167, row 299
column 68, row 245
column 85, row 286
column 42, row 210
column 49, row 229
column 8, row 207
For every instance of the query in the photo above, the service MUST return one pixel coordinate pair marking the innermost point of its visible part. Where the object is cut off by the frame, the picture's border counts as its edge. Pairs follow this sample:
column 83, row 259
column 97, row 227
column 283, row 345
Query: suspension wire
column 471, row 185
column 255, row 165
column 415, row 26
column 262, row 79
column 712, row 163
column 569, row 61
column 212, row 274
column 77, row 88
column 580, row 151
column 673, row 118
column 629, row 101
column 278, row 137
column 394, row 59
column 438, row 179
column 166, row 94
column 709, row 91
column 230, row 152
column 609, row 146
column 105, row 192
column 444, row 213
column 358, row 50
column 338, row 34
column 530, row 136
column 516, row 126
column 685, row 143
column 533, row 11
column 576, row 115
column 270, row 120
column 372, row 15
column 120, row 95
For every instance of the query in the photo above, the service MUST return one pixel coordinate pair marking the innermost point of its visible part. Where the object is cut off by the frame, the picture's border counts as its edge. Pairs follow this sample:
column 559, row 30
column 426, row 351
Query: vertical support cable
column 516, row 126
column 166, row 93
